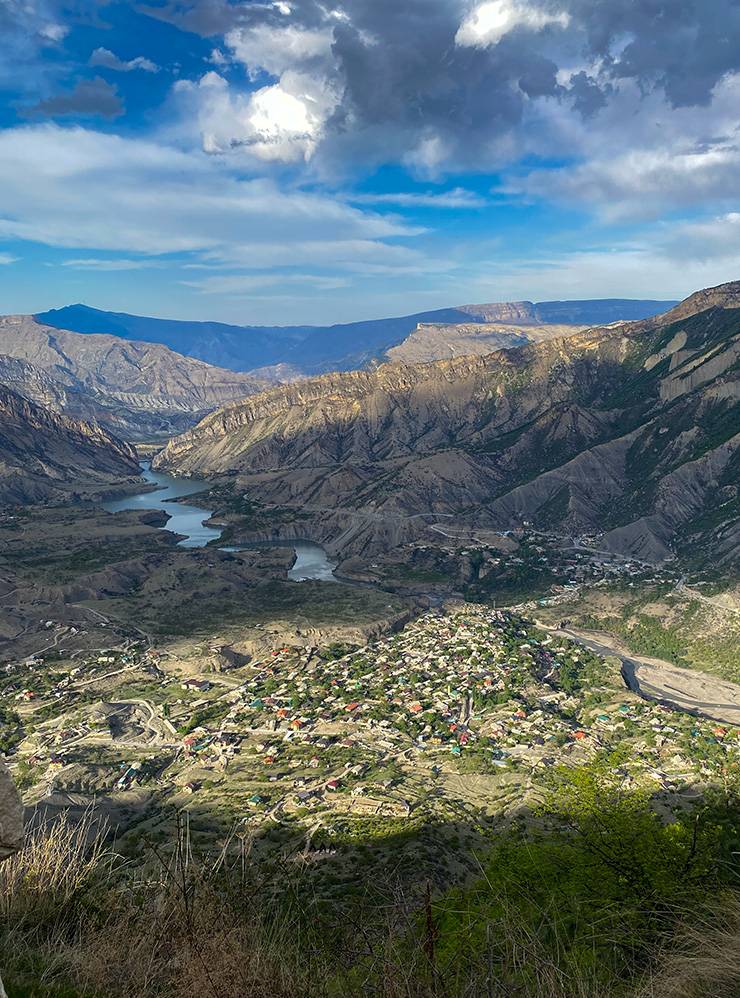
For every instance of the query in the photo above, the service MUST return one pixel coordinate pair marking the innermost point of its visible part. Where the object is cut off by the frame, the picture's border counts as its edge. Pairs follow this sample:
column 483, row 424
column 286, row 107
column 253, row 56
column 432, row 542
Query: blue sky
column 318, row 161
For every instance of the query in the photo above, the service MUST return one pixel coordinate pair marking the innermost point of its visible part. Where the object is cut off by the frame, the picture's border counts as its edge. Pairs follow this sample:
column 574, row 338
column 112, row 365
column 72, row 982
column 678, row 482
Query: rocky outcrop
column 11, row 815
column 137, row 390
column 11, row 823
column 722, row 296
column 440, row 341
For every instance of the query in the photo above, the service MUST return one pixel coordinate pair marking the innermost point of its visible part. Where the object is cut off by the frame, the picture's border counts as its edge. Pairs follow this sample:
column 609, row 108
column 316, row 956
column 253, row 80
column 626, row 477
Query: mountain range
column 630, row 430
column 300, row 351
column 492, row 435
column 139, row 391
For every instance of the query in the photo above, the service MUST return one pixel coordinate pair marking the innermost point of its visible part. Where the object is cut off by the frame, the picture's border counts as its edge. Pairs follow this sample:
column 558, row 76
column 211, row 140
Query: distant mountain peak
column 139, row 390
column 306, row 350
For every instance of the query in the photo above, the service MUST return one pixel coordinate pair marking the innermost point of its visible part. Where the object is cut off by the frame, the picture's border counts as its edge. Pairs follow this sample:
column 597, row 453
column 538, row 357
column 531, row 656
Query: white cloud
column 274, row 50
column 711, row 239
column 281, row 121
column 361, row 256
column 666, row 158
column 430, row 153
column 54, row 32
column 6, row 259
column 646, row 180
column 634, row 269
column 284, row 121
column 152, row 199
column 239, row 285
column 489, row 22
column 106, row 58
column 110, row 265
column 457, row 198
column 278, row 121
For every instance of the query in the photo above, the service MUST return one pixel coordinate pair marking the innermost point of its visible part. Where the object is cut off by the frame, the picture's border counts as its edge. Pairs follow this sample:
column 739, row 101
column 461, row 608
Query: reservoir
column 187, row 520
column 311, row 560
column 311, row 563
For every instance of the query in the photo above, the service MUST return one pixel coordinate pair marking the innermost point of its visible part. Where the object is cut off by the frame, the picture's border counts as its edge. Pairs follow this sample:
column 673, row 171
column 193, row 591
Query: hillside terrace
column 470, row 690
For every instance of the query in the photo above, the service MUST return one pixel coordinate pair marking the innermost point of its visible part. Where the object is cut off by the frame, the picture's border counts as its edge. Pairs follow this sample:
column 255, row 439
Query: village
column 466, row 707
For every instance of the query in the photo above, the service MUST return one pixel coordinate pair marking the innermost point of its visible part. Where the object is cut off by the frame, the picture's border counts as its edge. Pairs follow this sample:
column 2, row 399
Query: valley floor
column 350, row 739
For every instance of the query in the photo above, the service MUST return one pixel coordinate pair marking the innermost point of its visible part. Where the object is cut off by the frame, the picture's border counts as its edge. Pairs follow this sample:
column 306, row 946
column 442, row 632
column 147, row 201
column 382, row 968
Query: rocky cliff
column 46, row 456
column 137, row 390
column 631, row 430
column 439, row 340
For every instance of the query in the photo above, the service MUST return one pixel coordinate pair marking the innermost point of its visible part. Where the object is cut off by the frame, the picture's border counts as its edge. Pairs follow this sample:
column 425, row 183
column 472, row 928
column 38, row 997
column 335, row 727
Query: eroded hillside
column 629, row 430
column 45, row 456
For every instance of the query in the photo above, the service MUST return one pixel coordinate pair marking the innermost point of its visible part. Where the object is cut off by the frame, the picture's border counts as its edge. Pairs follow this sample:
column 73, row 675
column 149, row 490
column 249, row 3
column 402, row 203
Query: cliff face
column 46, row 456
column 632, row 430
column 137, row 390
column 439, row 341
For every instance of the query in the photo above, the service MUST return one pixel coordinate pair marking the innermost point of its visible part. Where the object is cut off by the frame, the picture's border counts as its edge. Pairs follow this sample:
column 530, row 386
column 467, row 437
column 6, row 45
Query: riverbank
column 655, row 679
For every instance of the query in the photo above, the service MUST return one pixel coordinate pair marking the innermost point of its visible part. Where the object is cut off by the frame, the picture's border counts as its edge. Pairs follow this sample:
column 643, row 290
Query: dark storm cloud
column 89, row 97
column 401, row 71
column 587, row 96
column 682, row 46
column 400, row 68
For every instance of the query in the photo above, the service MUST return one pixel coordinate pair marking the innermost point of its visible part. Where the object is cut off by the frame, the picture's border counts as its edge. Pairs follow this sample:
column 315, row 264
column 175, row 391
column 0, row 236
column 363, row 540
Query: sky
column 318, row 161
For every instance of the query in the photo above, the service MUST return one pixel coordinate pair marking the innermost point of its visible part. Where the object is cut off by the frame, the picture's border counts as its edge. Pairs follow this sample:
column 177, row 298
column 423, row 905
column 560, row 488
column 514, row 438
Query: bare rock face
column 514, row 312
column 440, row 341
column 721, row 296
column 11, row 815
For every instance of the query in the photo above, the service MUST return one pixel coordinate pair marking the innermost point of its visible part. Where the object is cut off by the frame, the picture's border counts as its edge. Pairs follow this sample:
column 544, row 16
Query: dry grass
column 59, row 857
column 704, row 961
column 187, row 928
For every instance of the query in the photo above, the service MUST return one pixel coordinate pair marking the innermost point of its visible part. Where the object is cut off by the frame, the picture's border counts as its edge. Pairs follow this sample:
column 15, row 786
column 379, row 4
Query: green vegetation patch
column 304, row 604
column 68, row 566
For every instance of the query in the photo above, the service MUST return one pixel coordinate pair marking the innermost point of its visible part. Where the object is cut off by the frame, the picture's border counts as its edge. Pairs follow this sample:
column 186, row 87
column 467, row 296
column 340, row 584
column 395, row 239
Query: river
column 311, row 559
column 184, row 519
column 655, row 679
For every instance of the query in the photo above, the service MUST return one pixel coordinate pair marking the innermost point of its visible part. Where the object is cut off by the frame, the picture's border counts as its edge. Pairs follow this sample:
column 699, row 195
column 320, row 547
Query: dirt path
column 690, row 594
